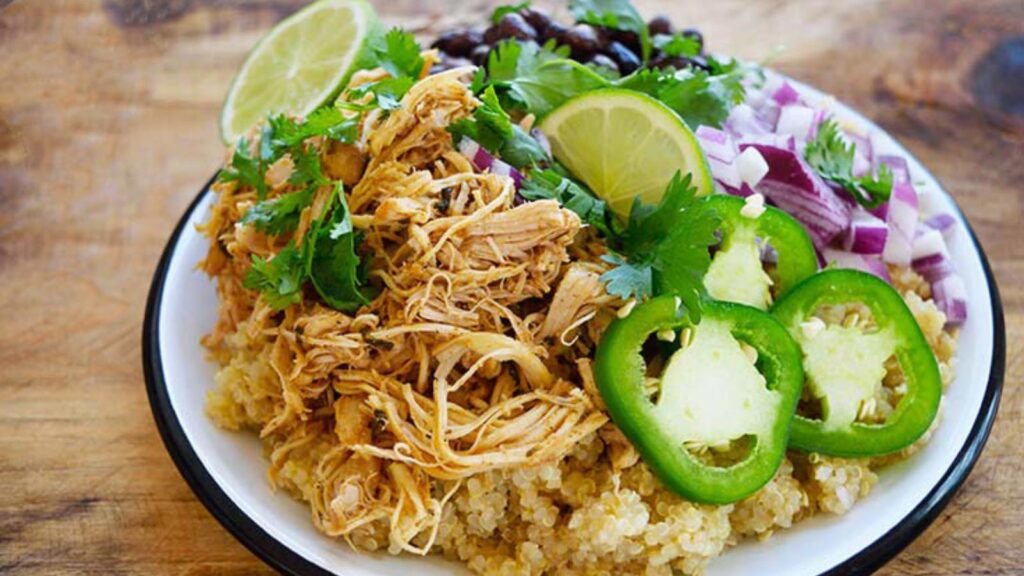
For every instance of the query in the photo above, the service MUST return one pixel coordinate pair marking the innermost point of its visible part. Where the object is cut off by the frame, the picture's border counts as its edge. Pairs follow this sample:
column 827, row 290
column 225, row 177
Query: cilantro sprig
column 832, row 157
column 492, row 128
column 664, row 249
column 699, row 97
column 537, row 79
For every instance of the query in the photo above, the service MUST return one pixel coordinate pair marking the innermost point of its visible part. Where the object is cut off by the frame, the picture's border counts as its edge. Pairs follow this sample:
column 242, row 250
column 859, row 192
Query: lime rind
column 302, row 63
column 624, row 144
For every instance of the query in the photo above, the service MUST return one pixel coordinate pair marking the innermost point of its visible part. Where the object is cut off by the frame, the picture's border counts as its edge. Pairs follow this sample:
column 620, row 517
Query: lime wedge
column 624, row 145
column 302, row 63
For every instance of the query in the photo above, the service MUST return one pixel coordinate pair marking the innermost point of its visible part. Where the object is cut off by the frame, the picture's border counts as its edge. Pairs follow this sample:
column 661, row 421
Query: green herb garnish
column 832, row 157
column 501, row 11
column 538, row 79
column 664, row 249
column 553, row 184
column 491, row 127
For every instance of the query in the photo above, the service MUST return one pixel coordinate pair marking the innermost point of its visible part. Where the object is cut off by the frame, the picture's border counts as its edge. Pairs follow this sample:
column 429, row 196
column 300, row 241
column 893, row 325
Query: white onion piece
column 902, row 221
column 862, row 262
column 717, row 144
column 867, row 233
column 744, row 120
column 751, row 166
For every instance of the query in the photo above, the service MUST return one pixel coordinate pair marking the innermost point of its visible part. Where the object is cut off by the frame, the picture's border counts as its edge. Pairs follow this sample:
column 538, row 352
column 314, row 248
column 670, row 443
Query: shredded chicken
column 473, row 357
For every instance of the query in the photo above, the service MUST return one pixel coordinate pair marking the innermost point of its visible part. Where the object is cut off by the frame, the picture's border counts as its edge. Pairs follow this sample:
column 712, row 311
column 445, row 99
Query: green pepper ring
column 797, row 258
column 620, row 369
column 915, row 412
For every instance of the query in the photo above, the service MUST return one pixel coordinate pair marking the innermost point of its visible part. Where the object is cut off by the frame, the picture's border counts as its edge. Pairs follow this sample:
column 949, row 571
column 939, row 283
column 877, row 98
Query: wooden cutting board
column 108, row 127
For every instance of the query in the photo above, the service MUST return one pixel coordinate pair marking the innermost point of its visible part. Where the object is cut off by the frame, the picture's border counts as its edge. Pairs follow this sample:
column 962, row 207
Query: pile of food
column 604, row 304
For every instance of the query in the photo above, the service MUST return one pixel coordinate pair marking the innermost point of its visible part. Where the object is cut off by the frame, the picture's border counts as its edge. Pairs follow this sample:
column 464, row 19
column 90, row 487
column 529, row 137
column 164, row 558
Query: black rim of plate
column 286, row 561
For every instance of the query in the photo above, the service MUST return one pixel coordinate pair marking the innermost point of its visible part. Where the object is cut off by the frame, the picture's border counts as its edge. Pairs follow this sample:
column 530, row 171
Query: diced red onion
column 725, row 172
column 930, row 257
column 786, row 94
column 484, row 161
column 797, row 121
column 942, row 222
column 717, row 144
column 541, row 139
column 899, row 167
column 950, row 295
column 866, row 235
column 751, row 166
column 862, row 262
column 796, row 188
column 744, row 120
column 902, row 221
column 784, row 141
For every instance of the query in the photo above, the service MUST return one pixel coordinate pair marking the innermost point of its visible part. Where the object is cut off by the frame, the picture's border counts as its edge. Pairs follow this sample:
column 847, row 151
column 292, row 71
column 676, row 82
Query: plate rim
column 286, row 561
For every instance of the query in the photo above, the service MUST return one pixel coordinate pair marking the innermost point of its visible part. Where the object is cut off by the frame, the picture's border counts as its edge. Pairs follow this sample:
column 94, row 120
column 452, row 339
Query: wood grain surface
column 108, row 127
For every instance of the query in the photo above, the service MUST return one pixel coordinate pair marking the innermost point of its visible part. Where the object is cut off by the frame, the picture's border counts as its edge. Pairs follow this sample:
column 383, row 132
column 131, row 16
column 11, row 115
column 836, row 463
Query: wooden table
column 108, row 127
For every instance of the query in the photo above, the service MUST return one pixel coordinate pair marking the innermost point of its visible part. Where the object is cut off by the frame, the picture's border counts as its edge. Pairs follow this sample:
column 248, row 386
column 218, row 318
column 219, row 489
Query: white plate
column 228, row 472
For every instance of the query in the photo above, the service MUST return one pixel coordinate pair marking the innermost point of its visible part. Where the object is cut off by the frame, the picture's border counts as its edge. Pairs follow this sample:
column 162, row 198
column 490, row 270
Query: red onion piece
column 484, row 161
column 797, row 121
column 796, row 188
column 902, row 221
column 942, row 222
column 725, row 173
column 899, row 167
column 716, row 144
column 950, row 295
column 786, row 94
column 862, row 262
column 866, row 235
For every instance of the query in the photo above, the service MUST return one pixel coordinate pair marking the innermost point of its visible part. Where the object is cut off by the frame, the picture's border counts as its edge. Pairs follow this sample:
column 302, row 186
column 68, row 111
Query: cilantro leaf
column 501, row 11
column 399, row 54
column 538, row 79
column 617, row 14
column 491, row 127
column 279, row 279
column 677, row 45
column 832, row 157
column 280, row 215
column 307, row 168
column 284, row 132
column 551, row 184
column 333, row 265
column 667, row 243
column 245, row 169
column 626, row 280
column 696, row 96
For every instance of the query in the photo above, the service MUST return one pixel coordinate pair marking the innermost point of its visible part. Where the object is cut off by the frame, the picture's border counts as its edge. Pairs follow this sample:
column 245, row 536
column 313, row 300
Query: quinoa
column 595, row 510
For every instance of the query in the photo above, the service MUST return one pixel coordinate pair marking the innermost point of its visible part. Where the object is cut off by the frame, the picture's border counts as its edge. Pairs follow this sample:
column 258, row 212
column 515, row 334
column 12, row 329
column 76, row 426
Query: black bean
column 554, row 31
column 696, row 35
column 582, row 39
column 627, row 60
column 515, row 26
column 491, row 35
column 603, row 60
column 449, row 62
column 628, row 39
column 479, row 54
column 459, row 42
column 659, row 25
column 663, row 61
column 539, row 19
column 700, row 62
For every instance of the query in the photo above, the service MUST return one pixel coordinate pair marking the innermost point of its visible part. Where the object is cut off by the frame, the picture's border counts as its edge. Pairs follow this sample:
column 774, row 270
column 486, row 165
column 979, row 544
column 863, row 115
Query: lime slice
column 302, row 63
column 624, row 145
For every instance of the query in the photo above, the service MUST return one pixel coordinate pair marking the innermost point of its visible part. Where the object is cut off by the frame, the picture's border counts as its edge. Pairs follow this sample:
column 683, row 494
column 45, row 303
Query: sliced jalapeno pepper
column 845, row 365
column 736, row 273
column 712, row 392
